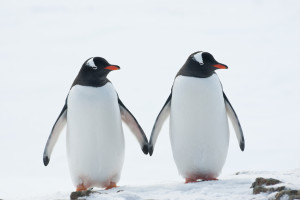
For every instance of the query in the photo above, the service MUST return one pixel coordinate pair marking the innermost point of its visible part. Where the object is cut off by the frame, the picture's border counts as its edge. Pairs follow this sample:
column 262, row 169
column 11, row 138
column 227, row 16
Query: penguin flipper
column 235, row 122
column 134, row 126
column 55, row 132
column 162, row 116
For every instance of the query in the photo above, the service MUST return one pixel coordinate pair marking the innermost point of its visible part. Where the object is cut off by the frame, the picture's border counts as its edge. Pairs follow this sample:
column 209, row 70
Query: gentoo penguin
column 95, row 140
column 199, row 130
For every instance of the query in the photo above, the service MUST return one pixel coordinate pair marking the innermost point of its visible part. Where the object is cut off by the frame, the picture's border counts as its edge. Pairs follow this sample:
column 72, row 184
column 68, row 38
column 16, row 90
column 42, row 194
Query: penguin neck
column 193, row 69
column 92, row 82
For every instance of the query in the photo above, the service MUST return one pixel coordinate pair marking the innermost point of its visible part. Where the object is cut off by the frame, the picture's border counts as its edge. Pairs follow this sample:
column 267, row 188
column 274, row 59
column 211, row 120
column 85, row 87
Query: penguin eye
column 94, row 67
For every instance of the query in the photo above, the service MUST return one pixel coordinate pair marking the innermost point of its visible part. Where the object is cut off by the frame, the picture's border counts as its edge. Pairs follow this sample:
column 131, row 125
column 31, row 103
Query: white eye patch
column 198, row 58
column 91, row 63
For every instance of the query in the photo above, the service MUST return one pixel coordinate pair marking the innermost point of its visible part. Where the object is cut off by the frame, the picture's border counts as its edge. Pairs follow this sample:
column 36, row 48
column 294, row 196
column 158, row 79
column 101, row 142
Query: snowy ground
column 236, row 186
column 44, row 43
column 230, row 187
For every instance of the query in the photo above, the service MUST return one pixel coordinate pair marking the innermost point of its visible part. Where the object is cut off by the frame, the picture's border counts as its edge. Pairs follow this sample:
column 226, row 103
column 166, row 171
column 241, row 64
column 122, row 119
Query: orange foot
column 112, row 185
column 80, row 188
column 190, row 180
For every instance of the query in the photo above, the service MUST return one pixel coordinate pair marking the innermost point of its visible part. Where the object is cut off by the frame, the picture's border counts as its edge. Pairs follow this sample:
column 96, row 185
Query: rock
column 290, row 194
column 283, row 192
column 86, row 193
column 76, row 195
column 259, row 189
column 263, row 181
column 259, row 185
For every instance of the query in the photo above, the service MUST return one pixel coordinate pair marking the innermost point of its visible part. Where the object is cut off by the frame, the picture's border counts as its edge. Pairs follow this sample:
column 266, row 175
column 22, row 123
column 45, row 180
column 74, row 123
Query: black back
column 194, row 68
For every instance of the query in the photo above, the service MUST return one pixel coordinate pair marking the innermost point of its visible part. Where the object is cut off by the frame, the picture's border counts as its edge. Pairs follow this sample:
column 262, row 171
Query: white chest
column 95, row 141
column 199, row 99
column 91, row 100
column 198, row 125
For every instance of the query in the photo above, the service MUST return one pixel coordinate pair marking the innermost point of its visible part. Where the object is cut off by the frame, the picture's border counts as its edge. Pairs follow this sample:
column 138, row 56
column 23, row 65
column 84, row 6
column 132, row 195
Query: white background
column 44, row 43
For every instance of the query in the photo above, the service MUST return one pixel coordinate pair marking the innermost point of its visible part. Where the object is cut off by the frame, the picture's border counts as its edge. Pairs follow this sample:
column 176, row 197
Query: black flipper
column 134, row 126
column 235, row 122
column 162, row 116
column 55, row 132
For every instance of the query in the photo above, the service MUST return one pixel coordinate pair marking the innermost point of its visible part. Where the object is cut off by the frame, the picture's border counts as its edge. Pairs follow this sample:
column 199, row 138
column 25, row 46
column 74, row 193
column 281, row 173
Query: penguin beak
column 112, row 67
column 220, row 66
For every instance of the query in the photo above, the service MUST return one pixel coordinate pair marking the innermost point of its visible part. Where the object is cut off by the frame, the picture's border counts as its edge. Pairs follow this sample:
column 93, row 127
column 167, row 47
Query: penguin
column 198, row 109
column 95, row 141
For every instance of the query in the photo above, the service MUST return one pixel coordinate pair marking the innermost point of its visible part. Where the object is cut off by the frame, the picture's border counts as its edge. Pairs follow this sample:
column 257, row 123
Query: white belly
column 95, row 140
column 199, row 130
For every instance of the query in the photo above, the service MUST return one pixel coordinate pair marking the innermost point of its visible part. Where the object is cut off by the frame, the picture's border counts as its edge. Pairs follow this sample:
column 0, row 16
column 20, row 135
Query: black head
column 94, row 71
column 200, row 64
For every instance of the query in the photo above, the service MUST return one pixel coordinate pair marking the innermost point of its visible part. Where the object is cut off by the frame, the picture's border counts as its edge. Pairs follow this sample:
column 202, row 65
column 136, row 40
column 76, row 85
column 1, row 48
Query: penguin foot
column 112, row 185
column 80, row 187
column 190, row 180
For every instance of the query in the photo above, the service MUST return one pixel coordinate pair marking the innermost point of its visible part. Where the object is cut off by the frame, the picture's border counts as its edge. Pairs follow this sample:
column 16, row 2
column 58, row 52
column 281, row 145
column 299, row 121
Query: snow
column 230, row 187
column 44, row 43
column 234, row 186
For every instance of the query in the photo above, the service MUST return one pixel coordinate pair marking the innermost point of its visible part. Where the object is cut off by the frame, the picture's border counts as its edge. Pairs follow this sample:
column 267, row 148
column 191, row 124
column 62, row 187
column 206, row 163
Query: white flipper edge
column 161, row 118
column 134, row 126
column 55, row 132
column 235, row 123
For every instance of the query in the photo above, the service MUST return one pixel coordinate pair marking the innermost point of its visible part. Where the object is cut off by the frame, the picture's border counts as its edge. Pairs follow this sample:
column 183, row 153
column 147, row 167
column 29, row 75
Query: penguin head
column 201, row 64
column 94, row 71
column 98, row 66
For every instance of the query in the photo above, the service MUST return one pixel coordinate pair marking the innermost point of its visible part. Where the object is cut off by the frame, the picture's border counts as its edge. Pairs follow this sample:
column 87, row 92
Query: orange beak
column 112, row 67
column 220, row 66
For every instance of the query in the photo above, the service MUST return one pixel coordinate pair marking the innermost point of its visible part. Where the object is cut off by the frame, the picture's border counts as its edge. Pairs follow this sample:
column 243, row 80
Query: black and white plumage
column 95, row 141
column 198, row 110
